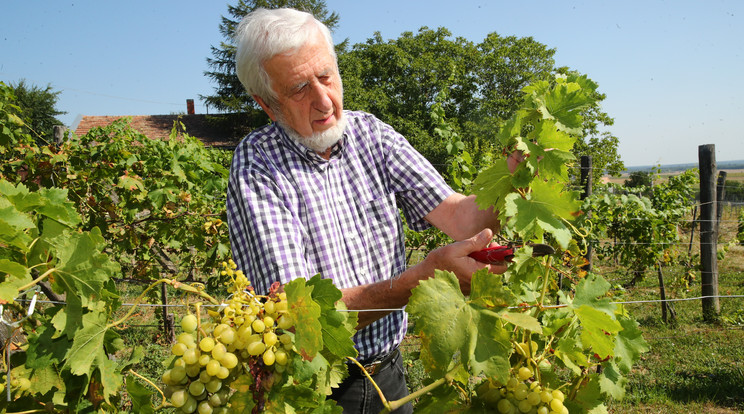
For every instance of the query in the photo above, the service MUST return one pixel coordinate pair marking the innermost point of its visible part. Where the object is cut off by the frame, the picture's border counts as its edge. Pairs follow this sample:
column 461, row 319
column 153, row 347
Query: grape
column 178, row 398
column 193, row 370
column 281, row 357
column 543, row 410
column 269, row 357
column 177, row 374
column 204, row 408
column 558, row 395
column 224, row 373
column 190, row 405
column 227, row 336
column 213, row 368
column 520, row 393
column 256, row 348
column 186, row 338
column 179, row 349
column 219, row 351
column 189, row 323
column 268, row 321
column 191, row 356
column 556, row 404
column 206, row 344
column 285, row 322
column 546, row 396
column 512, row 383
column 269, row 306
column 505, row 407
column 196, row 388
column 258, row 326
column 269, row 339
column 204, row 359
column 524, row 373
column 213, row 385
column 285, row 339
column 204, row 377
column 524, row 406
column 533, row 398
column 229, row 361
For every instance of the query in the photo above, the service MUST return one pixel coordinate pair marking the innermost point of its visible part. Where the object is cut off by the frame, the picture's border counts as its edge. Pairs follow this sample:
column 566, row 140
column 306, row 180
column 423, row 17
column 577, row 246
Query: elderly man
column 319, row 191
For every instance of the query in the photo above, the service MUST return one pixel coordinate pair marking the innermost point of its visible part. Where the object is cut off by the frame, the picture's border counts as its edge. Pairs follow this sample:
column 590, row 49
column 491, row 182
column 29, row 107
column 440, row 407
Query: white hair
column 263, row 34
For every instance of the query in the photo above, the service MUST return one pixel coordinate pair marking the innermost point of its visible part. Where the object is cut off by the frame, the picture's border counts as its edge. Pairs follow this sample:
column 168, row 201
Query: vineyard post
column 168, row 318
column 720, row 195
column 708, row 232
column 586, row 182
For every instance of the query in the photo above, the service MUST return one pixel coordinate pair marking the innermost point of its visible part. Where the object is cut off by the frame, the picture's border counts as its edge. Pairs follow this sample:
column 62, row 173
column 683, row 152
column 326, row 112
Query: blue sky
column 671, row 70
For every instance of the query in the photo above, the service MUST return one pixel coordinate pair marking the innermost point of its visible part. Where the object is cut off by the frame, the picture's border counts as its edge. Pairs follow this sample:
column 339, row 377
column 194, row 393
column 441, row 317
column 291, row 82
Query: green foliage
column 38, row 106
column 482, row 339
column 68, row 344
column 160, row 202
column 645, row 228
column 740, row 227
column 640, row 179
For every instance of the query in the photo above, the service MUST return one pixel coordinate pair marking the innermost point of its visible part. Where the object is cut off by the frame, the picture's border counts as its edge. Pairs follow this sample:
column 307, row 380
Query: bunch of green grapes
column 248, row 332
column 18, row 386
column 522, row 393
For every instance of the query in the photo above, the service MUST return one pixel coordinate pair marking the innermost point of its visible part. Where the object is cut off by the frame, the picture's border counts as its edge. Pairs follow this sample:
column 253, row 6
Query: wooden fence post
column 708, row 232
column 586, row 182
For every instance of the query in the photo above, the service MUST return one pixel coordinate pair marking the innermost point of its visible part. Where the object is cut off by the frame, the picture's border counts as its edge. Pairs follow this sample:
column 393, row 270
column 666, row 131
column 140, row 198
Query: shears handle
column 494, row 254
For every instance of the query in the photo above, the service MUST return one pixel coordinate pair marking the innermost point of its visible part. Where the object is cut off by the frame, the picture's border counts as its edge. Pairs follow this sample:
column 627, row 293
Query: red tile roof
column 212, row 130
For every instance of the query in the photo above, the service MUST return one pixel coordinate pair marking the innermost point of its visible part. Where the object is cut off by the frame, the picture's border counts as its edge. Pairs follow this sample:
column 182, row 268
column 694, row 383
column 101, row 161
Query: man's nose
column 322, row 99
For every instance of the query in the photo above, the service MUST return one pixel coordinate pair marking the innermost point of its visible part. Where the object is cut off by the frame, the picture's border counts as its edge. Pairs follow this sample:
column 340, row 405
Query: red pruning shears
column 501, row 254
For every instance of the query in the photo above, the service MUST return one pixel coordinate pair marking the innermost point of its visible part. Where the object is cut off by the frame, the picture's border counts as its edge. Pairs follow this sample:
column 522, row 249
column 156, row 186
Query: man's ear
column 265, row 107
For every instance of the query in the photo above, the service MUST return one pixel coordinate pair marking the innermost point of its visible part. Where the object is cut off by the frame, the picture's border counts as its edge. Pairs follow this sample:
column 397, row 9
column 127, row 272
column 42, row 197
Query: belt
column 376, row 365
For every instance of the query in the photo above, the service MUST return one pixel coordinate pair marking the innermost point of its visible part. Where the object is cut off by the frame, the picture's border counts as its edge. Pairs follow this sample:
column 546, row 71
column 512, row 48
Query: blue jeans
column 357, row 395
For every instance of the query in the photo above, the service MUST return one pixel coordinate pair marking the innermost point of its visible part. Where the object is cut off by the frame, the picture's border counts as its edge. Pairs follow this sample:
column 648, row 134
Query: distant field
column 731, row 175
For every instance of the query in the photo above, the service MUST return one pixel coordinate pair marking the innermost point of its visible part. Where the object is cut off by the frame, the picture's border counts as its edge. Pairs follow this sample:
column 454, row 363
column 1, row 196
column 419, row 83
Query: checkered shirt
column 294, row 214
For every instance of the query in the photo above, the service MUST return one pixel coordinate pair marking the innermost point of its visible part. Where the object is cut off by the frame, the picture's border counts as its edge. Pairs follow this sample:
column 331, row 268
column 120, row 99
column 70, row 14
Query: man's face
column 308, row 88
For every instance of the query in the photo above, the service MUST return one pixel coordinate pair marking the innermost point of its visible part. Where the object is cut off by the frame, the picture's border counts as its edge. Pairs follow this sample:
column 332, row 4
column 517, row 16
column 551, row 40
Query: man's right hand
column 454, row 258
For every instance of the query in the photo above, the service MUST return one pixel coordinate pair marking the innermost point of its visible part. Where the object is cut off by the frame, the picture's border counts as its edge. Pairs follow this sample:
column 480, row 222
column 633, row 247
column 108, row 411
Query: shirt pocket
column 386, row 239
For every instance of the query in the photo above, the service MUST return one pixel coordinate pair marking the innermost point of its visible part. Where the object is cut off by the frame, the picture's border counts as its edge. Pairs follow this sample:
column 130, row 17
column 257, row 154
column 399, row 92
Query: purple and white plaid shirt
column 293, row 214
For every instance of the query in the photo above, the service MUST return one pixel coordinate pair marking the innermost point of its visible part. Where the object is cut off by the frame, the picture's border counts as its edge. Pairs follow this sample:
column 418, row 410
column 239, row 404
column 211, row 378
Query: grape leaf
column 241, row 400
column 611, row 382
column 468, row 329
column 569, row 352
column 629, row 344
column 306, row 314
column 141, row 396
column 338, row 330
column 598, row 330
column 87, row 345
column 588, row 398
column 541, row 212
column 591, row 291
column 522, row 320
column 492, row 185
column 487, row 290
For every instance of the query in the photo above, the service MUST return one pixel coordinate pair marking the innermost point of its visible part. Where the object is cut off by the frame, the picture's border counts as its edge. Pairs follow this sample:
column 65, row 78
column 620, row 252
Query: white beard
column 318, row 141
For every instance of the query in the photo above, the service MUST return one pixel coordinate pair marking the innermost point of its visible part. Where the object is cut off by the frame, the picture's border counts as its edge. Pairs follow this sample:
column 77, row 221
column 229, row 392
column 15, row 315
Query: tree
column 639, row 179
column 230, row 96
column 38, row 107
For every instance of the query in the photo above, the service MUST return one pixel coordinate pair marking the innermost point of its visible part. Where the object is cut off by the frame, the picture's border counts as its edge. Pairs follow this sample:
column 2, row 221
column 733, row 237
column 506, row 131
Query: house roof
column 221, row 130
